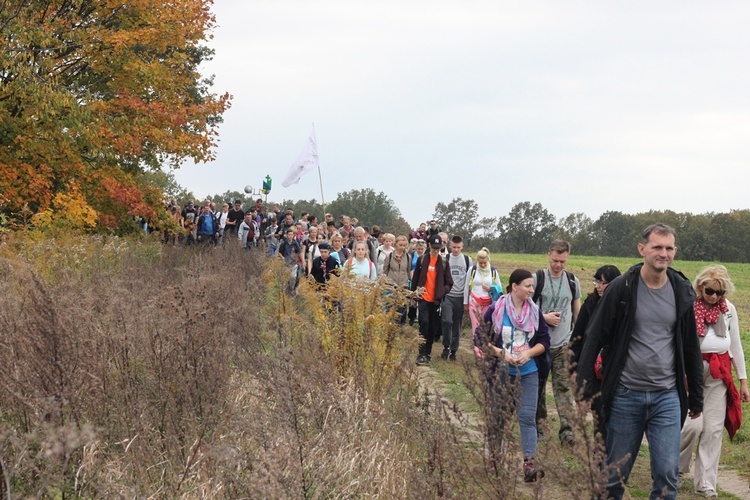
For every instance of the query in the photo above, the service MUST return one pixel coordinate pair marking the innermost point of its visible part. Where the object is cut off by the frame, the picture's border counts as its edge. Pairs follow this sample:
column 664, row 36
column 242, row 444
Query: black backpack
column 540, row 286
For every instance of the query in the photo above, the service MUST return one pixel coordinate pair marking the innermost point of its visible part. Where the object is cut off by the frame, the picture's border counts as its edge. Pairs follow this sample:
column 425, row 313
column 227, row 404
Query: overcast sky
column 581, row 106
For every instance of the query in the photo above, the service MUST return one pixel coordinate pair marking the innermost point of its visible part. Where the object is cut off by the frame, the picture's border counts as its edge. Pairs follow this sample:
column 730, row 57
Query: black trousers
column 429, row 325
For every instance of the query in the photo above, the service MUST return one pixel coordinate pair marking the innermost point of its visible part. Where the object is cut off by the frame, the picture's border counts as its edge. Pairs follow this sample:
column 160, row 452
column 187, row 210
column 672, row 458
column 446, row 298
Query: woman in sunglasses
column 719, row 334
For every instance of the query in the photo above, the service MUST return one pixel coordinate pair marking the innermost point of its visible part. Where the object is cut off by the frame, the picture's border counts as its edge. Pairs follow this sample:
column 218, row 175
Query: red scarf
column 720, row 366
column 708, row 315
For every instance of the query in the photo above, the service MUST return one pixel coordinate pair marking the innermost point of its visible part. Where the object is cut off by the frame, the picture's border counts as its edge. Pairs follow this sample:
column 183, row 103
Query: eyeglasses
column 711, row 291
column 600, row 282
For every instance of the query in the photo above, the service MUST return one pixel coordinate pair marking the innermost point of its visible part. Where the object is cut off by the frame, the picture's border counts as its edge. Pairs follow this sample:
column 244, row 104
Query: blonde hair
column 389, row 236
column 713, row 274
column 364, row 244
column 483, row 253
column 401, row 237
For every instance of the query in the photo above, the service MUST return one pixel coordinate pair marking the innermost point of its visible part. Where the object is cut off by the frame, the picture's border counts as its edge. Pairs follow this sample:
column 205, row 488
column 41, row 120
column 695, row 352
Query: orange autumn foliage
column 95, row 93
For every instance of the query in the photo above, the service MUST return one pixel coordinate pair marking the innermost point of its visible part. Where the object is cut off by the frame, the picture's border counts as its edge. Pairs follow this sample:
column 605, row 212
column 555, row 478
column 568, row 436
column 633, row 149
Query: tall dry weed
column 137, row 370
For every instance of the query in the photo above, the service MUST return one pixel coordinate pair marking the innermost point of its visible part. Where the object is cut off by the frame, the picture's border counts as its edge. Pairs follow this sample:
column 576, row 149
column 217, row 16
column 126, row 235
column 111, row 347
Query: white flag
column 305, row 162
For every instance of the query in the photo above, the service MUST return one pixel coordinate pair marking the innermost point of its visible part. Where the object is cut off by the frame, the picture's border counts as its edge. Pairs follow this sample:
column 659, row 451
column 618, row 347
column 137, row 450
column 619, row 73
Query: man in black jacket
column 323, row 265
column 432, row 280
column 646, row 324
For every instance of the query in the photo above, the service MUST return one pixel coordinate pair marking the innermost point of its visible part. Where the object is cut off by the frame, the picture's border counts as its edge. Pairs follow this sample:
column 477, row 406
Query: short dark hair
column 457, row 239
column 658, row 228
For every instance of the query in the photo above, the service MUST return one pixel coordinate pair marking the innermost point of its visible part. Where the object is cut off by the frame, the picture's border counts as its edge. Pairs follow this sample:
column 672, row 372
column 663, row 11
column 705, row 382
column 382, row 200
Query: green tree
column 577, row 229
column 693, row 237
column 527, row 228
column 616, row 234
column 729, row 235
column 368, row 206
column 458, row 217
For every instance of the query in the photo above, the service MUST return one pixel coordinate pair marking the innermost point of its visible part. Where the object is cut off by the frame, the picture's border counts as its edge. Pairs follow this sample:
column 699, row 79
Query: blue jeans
column 657, row 413
column 524, row 390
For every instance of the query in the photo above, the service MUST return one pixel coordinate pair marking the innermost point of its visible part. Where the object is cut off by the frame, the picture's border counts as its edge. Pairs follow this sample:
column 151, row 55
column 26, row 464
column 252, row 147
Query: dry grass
column 136, row 370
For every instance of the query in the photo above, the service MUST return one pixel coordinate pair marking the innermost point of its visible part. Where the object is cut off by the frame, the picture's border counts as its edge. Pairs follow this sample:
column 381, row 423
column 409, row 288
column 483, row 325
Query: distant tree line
column 529, row 228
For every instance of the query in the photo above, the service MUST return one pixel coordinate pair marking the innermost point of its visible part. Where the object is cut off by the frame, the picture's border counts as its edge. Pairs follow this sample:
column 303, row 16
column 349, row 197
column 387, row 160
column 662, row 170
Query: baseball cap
column 436, row 241
column 324, row 246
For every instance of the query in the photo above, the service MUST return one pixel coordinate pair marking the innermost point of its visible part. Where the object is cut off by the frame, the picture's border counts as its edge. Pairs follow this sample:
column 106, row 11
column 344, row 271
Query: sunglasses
column 711, row 291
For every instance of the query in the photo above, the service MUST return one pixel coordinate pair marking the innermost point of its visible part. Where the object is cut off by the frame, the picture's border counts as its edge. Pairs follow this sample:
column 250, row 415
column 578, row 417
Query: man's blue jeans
column 657, row 413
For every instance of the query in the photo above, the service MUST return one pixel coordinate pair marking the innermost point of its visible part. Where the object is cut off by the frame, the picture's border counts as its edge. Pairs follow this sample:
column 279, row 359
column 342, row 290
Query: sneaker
column 530, row 472
column 445, row 353
column 452, row 356
column 423, row 360
column 707, row 493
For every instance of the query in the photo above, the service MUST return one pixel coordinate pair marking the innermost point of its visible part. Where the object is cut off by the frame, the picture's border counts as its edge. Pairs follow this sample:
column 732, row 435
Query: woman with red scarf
column 719, row 333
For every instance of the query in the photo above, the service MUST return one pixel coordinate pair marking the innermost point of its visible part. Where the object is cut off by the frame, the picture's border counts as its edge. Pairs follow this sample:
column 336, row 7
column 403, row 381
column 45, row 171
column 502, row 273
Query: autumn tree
column 93, row 94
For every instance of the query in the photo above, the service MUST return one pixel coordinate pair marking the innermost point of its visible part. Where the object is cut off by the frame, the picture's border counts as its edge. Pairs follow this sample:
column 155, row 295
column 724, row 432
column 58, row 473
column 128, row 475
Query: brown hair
column 560, row 246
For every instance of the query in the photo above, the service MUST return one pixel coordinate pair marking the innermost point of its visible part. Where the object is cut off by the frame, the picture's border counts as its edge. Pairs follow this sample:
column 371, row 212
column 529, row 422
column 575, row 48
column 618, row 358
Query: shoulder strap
column 466, row 260
column 472, row 273
column 539, row 286
column 368, row 260
column 572, row 283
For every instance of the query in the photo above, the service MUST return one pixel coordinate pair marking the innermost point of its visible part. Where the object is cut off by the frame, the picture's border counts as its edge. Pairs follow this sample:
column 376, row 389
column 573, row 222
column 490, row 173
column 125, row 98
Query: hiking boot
column 530, row 472
column 452, row 356
column 445, row 353
column 422, row 360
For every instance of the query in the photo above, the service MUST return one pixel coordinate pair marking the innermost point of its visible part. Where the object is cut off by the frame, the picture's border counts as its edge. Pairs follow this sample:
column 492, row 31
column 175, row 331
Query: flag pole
column 320, row 177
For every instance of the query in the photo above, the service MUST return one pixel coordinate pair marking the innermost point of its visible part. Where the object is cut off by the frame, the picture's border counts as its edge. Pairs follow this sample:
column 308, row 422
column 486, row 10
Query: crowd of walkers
column 650, row 352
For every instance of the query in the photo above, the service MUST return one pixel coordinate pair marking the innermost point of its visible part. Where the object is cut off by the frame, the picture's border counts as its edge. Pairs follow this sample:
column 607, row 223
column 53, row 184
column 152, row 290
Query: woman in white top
column 479, row 280
column 359, row 265
column 719, row 333
column 384, row 251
